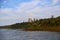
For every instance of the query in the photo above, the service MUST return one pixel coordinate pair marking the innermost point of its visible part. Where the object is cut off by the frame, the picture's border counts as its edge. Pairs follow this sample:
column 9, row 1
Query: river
column 9, row 34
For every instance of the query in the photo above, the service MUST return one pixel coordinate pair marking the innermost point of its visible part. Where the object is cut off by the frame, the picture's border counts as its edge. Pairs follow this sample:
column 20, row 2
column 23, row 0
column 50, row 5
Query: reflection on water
column 8, row 34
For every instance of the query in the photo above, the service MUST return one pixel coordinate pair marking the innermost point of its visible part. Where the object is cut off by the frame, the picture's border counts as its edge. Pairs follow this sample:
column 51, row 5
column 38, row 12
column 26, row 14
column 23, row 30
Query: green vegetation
column 49, row 24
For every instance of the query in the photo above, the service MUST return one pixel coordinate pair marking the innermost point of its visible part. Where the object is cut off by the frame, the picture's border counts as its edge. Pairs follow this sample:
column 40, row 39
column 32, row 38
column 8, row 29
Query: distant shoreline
column 49, row 30
column 49, row 24
column 44, row 30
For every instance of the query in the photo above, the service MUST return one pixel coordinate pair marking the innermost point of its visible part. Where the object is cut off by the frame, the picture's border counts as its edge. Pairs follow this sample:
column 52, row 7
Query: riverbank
column 41, row 29
column 49, row 24
column 52, row 29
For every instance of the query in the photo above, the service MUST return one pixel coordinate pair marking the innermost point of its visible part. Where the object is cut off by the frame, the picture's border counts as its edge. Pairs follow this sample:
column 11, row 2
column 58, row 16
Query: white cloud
column 10, row 14
column 24, row 8
column 55, row 1
column 28, row 5
column 30, row 10
column 6, row 10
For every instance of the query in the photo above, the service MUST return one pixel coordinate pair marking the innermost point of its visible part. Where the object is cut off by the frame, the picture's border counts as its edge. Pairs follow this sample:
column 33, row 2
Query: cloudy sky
column 14, row 11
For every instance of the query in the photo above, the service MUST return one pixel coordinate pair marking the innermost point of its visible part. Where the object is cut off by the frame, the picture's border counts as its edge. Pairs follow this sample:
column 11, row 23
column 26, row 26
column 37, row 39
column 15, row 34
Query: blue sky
column 14, row 11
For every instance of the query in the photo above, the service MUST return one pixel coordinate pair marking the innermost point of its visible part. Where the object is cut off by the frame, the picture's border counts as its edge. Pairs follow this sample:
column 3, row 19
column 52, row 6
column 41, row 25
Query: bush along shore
column 49, row 24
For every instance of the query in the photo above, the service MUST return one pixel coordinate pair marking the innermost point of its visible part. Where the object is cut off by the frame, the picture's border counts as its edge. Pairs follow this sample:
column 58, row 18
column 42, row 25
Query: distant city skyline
column 16, row 11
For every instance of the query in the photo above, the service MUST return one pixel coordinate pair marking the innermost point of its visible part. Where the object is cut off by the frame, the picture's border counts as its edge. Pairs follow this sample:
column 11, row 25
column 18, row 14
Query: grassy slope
column 49, row 24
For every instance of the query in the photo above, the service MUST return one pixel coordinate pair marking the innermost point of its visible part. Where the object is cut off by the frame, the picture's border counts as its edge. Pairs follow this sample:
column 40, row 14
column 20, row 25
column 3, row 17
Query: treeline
column 41, row 24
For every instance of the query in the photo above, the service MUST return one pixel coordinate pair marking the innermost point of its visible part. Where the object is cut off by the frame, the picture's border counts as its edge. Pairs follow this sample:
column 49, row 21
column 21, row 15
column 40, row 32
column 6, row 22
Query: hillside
column 49, row 24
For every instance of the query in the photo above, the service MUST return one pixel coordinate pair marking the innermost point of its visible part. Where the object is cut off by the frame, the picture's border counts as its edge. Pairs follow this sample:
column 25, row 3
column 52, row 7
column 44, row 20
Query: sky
column 16, row 11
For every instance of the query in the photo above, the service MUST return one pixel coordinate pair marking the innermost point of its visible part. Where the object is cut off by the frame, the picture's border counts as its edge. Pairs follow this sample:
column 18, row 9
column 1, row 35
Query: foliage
column 37, row 24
